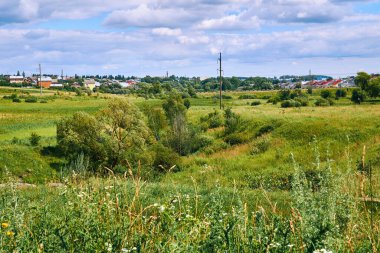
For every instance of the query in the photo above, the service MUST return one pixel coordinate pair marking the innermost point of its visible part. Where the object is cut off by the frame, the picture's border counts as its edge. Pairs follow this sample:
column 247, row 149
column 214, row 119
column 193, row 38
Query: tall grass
column 126, row 214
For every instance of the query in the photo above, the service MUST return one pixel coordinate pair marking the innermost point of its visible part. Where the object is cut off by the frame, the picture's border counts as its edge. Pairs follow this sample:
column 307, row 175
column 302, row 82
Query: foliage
column 118, row 133
column 212, row 120
column 232, row 123
column 325, row 94
column 186, row 103
column 255, row 103
column 174, row 108
column 290, row 103
column 260, row 145
column 374, row 87
column 358, row 96
column 247, row 96
column 34, row 139
column 156, row 120
column 31, row 100
column 323, row 102
column 340, row 93
column 362, row 80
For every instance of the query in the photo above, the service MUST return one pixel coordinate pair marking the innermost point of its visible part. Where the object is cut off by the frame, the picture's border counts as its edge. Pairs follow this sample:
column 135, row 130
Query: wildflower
column 161, row 209
column 4, row 225
column 322, row 251
column 108, row 246
column 10, row 233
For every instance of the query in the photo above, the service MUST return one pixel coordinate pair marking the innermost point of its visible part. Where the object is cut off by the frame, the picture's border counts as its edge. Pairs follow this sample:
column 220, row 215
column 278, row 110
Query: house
column 89, row 83
column 16, row 79
column 45, row 82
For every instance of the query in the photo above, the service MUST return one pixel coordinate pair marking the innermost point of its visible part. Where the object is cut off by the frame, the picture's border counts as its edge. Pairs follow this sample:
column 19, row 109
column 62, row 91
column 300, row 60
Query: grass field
column 317, row 137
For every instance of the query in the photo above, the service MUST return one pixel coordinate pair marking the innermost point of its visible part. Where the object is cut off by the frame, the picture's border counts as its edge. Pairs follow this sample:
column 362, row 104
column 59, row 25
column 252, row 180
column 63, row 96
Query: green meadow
column 231, row 181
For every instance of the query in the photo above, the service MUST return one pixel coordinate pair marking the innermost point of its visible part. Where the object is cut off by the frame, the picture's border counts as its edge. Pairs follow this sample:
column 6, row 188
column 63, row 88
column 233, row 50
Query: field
column 234, row 197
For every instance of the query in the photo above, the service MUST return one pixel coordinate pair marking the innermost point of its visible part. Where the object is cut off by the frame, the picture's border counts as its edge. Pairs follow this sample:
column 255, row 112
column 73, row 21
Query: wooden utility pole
column 40, row 79
column 220, row 80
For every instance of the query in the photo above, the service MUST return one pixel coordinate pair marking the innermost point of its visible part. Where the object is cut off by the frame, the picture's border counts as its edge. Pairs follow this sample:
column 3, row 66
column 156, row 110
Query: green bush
column 325, row 94
column 34, row 139
column 255, row 103
column 358, row 96
column 247, row 96
column 233, row 122
column 290, row 103
column 324, row 102
column 31, row 100
column 213, row 119
column 186, row 103
column 261, row 145
column 16, row 100
column 236, row 138
column 264, row 130
column 164, row 158
column 340, row 93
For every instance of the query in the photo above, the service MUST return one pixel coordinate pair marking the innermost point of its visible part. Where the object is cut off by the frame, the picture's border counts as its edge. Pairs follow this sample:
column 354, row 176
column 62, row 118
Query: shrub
column 324, row 102
column 310, row 90
column 223, row 97
column 236, row 138
column 16, row 100
column 213, row 119
column 186, row 103
column 255, row 103
column 264, row 130
column 261, row 145
column 233, row 122
column 43, row 101
column 303, row 100
column 164, row 158
column 340, row 93
column 274, row 100
column 34, row 139
column 247, row 96
column 325, row 94
column 290, row 103
column 31, row 100
column 358, row 96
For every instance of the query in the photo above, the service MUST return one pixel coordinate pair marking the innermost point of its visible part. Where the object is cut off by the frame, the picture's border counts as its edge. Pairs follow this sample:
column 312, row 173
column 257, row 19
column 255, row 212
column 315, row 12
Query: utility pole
column 62, row 74
column 220, row 80
column 40, row 79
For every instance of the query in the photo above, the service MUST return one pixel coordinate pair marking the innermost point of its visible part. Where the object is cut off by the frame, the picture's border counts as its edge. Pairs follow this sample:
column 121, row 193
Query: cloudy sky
column 150, row 37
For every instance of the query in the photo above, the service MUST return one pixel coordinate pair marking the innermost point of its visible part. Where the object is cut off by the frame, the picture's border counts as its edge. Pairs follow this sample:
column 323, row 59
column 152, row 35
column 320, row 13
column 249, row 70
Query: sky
column 150, row 37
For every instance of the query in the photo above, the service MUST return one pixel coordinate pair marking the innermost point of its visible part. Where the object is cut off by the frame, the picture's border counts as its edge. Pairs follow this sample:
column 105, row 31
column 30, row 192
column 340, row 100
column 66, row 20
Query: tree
column 374, row 87
column 125, row 132
column 362, row 80
column 358, row 96
column 174, row 107
column 235, row 82
column 81, row 134
column 116, row 134
column 156, row 121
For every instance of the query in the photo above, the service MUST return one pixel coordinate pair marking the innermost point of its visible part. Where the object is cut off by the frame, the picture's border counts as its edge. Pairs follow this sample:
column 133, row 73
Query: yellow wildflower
column 10, row 233
column 4, row 225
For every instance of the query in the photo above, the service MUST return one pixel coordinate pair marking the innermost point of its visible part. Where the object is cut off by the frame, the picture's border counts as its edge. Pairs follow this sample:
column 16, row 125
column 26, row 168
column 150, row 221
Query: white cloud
column 164, row 31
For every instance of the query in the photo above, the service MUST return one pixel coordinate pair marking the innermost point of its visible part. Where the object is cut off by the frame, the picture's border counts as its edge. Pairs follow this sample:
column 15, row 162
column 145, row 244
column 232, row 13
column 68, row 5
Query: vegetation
column 150, row 174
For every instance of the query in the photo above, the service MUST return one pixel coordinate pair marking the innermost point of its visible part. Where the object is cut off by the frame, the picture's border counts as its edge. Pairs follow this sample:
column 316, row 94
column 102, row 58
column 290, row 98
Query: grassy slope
column 294, row 133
